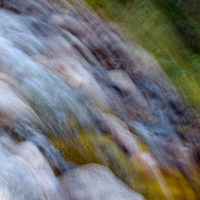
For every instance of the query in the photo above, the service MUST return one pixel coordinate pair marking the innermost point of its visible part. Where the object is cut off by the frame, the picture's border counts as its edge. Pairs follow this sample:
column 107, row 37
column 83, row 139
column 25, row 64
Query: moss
column 83, row 149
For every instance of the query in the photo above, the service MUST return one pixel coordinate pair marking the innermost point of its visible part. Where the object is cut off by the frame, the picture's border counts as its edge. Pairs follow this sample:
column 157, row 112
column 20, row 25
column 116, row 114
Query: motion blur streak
column 85, row 115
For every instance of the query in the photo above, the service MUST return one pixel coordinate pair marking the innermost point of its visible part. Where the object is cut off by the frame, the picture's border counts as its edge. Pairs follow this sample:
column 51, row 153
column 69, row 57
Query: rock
column 12, row 107
column 95, row 182
column 77, row 27
column 7, row 141
column 75, row 74
column 79, row 46
column 145, row 63
column 5, row 195
column 59, row 48
column 146, row 163
column 148, row 68
column 120, row 133
column 122, row 80
column 136, row 62
column 27, row 6
column 17, row 180
column 44, row 174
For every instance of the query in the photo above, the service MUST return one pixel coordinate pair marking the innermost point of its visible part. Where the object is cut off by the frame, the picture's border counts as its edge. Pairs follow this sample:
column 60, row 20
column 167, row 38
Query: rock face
column 120, row 133
column 95, row 182
column 69, row 63
column 44, row 174
column 67, row 67
column 17, row 180
column 123, row 81
column 72, row 70
column 26, row 175
column 12, row 107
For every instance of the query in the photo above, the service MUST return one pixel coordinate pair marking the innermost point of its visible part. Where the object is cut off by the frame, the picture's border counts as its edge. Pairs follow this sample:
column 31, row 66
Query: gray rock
column 12, row 107
column 44, row 175
column 95, row 182
column 17, row 180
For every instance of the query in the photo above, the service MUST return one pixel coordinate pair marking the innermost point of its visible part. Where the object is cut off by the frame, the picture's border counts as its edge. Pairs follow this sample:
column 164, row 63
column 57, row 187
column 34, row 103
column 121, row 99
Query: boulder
column 72, row 70
column 122, row 80
column 12, row 107
column 17, row 180
column 43, row 172
column 121, row 134
column 95, row 182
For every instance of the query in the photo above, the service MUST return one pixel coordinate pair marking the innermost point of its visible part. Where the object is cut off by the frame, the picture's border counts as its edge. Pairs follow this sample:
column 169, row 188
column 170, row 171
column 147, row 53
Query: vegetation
column 85, row 149
column 168, row 29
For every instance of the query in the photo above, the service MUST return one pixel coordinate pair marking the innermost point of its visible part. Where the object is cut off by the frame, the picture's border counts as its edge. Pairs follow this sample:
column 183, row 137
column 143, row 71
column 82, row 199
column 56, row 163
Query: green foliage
column 185, row 16
column 156, row 25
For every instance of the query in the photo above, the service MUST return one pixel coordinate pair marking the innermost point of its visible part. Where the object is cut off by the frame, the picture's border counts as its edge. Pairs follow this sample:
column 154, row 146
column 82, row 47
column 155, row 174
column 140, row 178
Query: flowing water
column 74, row 91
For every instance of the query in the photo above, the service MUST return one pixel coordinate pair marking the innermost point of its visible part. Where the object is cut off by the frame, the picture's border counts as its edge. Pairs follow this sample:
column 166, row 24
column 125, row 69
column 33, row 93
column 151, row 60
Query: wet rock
column 81, row 48
column 95, row 182
column 43, row 172
column 75, row 45
column 137, row 63
column 146, row 67
column 12, row 107
column 7, row 141
column 120, row 133
column 77, row 27
column 74, row 73
column 123, row 81
column 146, row 162
column 99, row 149
column 5, row 195
column 59, row 48
column 24, row 6
column 17, row 180
column 145, row 63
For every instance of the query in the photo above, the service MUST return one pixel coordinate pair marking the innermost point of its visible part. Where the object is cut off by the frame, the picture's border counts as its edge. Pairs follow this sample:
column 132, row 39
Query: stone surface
column 121, row 134
column 12, row 107
column 43, row 172
column 17, row 180
column 95, row 182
